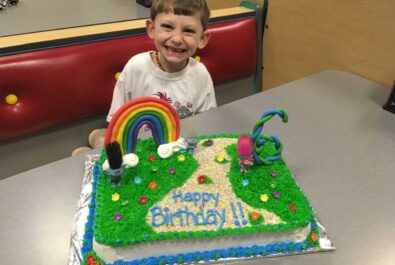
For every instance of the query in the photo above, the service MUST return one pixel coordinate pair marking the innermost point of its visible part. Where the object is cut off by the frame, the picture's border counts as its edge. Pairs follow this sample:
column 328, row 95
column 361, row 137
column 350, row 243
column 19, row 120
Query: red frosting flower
column 143, row 200
column 202, row 179
column 292, row 207
column 151, row 158
column 90, row 259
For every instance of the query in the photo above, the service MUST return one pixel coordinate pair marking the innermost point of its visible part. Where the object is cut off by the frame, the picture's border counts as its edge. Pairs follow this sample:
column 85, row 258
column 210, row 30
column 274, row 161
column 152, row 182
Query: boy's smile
column 176, row 37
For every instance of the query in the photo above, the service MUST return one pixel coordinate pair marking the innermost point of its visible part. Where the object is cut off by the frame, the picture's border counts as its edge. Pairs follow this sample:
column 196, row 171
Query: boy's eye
column 189, row 31
column 166, row 26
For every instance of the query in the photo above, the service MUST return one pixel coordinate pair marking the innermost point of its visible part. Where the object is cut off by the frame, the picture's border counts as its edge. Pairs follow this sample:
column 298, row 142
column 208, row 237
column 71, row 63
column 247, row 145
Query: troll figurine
column 244, row 149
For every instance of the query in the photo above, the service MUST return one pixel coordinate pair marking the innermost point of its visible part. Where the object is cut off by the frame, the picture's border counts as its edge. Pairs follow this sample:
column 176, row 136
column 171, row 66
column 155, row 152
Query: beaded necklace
column 158, row 62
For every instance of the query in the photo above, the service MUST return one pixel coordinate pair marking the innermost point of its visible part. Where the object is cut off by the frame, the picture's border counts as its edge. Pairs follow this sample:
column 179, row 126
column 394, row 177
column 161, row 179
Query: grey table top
column 339, row 143
column 42, row 15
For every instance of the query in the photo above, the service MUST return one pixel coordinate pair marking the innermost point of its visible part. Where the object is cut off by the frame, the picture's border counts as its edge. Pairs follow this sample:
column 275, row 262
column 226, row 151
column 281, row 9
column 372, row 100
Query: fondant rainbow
column 155, row 113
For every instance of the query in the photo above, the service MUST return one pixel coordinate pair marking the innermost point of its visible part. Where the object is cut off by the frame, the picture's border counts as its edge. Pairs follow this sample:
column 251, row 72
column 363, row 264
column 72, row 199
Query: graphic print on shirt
column 182, row 111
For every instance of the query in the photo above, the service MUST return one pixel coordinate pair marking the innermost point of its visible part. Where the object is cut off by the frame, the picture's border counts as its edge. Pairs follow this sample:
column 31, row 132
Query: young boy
column 178, row 28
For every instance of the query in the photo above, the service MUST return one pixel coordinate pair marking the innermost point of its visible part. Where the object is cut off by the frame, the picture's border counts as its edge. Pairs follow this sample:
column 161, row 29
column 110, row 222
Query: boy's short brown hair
column 182, row 7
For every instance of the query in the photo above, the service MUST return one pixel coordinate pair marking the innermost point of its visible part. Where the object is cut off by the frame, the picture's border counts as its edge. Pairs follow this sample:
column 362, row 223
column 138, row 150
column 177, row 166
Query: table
column 339, row 144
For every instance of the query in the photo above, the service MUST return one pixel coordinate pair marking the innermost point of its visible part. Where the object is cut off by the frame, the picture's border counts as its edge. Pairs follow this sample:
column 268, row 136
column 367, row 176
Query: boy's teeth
column 175, row 49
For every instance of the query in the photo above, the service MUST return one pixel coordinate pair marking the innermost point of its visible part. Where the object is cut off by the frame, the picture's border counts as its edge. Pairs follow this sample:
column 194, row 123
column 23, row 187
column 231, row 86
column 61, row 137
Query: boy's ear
column 150, row 28
column 204, row 39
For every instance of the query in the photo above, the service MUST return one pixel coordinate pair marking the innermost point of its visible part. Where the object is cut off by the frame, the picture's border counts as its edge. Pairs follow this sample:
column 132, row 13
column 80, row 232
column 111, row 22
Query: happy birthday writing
column 201, row 215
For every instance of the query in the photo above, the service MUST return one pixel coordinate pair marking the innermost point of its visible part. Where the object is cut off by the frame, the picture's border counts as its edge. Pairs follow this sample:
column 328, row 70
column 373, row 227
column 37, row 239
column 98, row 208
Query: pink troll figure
column 244, row 149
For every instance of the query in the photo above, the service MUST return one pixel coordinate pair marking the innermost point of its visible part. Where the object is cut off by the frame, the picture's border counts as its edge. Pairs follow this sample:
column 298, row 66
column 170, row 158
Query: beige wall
column 306, row 36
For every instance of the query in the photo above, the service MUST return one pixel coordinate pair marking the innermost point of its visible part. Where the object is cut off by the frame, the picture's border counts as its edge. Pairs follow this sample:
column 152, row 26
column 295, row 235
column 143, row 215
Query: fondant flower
column 292, row 207
column 276, row 195
column 137, row 180
column 115, row 197
column 172, row 171
column 181, row 158
column 273, row 174
column 151, row 158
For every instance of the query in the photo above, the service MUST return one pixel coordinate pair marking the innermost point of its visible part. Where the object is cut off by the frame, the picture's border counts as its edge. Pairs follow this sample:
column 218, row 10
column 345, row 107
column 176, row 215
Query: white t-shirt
column 189, row 91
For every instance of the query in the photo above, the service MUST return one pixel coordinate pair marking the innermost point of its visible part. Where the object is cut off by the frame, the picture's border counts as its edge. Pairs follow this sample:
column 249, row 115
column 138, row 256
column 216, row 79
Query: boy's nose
column 176, row 37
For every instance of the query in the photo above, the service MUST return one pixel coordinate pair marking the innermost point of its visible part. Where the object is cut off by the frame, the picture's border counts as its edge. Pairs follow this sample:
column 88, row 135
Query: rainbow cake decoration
column 169, row 199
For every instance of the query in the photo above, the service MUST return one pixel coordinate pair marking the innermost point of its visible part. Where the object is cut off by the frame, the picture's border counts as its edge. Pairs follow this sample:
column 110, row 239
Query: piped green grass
column 135, row 184
column 292, row 206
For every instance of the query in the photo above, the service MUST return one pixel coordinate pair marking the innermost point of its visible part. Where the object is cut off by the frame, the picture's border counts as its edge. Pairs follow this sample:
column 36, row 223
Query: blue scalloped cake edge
column 289, row 247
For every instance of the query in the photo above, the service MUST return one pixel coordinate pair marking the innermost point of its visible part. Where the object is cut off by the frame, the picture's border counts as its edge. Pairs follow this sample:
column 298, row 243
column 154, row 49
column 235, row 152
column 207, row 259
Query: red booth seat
column 48, row 87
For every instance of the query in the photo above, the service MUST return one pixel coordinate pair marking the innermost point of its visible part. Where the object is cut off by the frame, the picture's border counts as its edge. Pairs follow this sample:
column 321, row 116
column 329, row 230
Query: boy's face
column 176, row 38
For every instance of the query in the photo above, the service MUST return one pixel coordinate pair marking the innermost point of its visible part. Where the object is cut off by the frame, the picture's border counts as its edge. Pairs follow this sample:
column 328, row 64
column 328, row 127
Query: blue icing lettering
column 196, row 197
column 183, row 217
column 202, row 198
column 156, row 213
column 188, row 197
column 216, row 199
column 176, row 196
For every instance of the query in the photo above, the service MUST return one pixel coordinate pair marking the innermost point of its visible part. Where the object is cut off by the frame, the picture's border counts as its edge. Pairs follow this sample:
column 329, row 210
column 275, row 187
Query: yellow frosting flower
column 264, row 197
column 181, row 158
column 220, row 158
column 115, row 197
